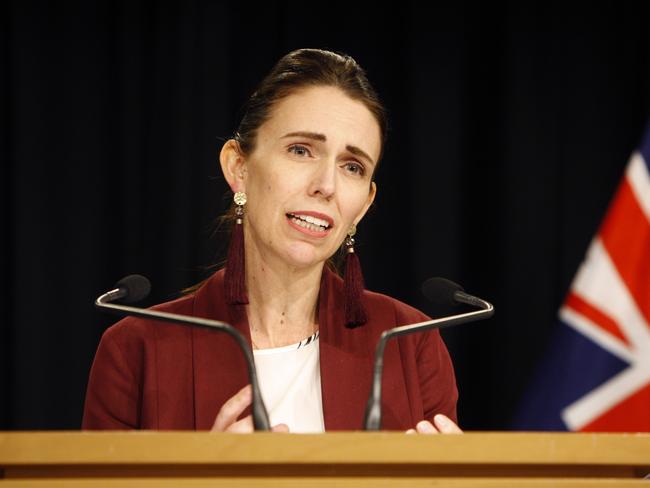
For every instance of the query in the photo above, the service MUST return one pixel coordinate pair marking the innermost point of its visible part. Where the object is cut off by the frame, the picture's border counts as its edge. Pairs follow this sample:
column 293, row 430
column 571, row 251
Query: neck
column 283, row 300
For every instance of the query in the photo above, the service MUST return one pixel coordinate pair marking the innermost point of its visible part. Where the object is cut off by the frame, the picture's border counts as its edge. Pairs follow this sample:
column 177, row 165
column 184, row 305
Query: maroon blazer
column 156, row 375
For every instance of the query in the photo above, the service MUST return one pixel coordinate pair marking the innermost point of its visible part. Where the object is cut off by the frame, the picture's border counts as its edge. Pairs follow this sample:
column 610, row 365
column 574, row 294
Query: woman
column 301, row 169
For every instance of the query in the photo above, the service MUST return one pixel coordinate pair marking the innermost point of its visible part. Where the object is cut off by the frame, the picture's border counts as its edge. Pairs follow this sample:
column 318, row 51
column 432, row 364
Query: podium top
column 363, row 459
column 195, row 448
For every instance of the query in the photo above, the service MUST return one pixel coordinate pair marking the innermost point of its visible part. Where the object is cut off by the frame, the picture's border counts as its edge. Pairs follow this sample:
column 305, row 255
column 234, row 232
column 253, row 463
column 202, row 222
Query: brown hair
column 298, row 69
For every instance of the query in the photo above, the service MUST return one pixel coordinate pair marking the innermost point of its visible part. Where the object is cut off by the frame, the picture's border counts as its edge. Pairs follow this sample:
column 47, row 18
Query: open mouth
column 308, row 222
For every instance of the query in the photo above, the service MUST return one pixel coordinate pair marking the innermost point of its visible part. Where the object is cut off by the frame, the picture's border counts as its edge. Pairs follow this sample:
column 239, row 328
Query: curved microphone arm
column 373, row 409
column 259, row 412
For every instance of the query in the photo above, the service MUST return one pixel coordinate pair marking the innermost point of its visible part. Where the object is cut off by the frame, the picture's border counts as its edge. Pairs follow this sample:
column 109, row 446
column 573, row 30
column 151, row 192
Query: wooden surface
column 351, row 458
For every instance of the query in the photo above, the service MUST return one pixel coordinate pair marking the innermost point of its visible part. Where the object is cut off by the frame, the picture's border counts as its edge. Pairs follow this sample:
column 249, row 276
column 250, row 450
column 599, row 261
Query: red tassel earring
column 235, row 276
column 355, row 313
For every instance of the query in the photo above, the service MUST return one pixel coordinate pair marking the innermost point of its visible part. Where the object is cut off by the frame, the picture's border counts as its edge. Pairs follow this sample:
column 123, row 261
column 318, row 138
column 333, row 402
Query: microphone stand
column 259, row 412
column 372, row 419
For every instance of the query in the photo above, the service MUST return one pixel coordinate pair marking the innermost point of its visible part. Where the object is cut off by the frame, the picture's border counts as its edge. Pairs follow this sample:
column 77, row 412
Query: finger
column 411, row 431
column 445, row 425
column 425, row 427
column 232, row 409
column 243, row 426
column 246, row 425
column 280, row 428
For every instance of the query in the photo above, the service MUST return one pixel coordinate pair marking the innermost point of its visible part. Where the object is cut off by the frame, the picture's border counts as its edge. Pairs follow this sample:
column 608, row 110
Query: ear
column 233, row 165
column 371, row 198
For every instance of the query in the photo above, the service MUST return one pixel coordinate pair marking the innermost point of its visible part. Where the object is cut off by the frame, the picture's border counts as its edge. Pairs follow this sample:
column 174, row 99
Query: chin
column 302, row 257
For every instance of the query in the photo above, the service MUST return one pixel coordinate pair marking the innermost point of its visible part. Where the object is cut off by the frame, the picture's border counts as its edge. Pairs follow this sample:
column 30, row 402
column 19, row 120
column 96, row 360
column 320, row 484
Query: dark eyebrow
column 322, row 137
column 309, row 135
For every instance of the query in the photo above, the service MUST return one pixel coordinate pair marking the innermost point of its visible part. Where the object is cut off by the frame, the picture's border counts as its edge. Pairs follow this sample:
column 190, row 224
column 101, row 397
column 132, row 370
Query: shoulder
column 403, row 313
column 135, row 331
column 386, row 312
column 383, row 311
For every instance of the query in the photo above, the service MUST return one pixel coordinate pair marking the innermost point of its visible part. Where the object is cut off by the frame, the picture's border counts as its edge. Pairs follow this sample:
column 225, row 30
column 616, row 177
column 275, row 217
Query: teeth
column 308, row 225
column 312, row 220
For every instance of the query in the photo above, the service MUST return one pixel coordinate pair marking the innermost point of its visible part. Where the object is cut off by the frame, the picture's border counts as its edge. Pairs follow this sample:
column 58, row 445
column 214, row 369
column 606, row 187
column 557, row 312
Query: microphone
column 437, row 290
column 445, row 292
column 129, row 289
column 136, row 287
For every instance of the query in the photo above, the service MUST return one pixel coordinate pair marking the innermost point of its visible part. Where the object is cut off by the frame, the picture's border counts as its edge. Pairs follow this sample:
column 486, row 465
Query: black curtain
column 510, row 128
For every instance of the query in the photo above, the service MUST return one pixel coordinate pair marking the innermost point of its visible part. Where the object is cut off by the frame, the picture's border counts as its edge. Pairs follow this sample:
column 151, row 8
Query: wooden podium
column 193, row 459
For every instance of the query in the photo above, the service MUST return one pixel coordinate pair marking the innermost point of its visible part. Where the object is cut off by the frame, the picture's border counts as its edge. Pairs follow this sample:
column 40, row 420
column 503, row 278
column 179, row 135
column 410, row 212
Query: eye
column 355, row 168
column 298, row 150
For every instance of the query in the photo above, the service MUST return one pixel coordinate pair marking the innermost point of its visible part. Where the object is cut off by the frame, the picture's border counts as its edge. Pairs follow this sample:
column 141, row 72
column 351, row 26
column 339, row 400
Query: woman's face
column 309, row 177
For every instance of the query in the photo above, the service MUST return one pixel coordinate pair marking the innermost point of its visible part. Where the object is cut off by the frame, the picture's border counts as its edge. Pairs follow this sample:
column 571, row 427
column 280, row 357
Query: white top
column 289, row 378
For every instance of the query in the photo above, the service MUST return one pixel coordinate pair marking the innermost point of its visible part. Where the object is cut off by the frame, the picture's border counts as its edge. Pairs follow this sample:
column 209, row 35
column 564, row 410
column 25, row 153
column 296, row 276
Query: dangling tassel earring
column 235, row 277
column 355, row 313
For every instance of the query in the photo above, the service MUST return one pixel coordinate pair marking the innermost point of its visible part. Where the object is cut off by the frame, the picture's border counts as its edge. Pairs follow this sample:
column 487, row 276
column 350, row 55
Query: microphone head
column 441, row 291
column 137, row 287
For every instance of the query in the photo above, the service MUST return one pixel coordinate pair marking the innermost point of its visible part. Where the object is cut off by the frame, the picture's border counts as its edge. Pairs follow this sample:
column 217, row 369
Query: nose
column 323, row 183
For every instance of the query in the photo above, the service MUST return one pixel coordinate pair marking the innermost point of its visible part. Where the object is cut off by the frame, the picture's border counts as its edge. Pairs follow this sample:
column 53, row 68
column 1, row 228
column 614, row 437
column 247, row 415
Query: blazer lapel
column 347, row 359
column 220, row 369
column 345, row 367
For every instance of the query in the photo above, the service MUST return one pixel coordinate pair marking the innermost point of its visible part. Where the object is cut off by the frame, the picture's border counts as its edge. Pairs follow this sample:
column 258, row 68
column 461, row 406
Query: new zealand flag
column 596, row 376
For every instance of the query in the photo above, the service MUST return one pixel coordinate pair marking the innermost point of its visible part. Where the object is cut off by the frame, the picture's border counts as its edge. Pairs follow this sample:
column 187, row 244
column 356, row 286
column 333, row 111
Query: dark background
column 511, row 127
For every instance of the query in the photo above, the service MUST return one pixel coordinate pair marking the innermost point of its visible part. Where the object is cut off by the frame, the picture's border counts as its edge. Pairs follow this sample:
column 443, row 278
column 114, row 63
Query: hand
column 226, row 420
column 441, row 425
